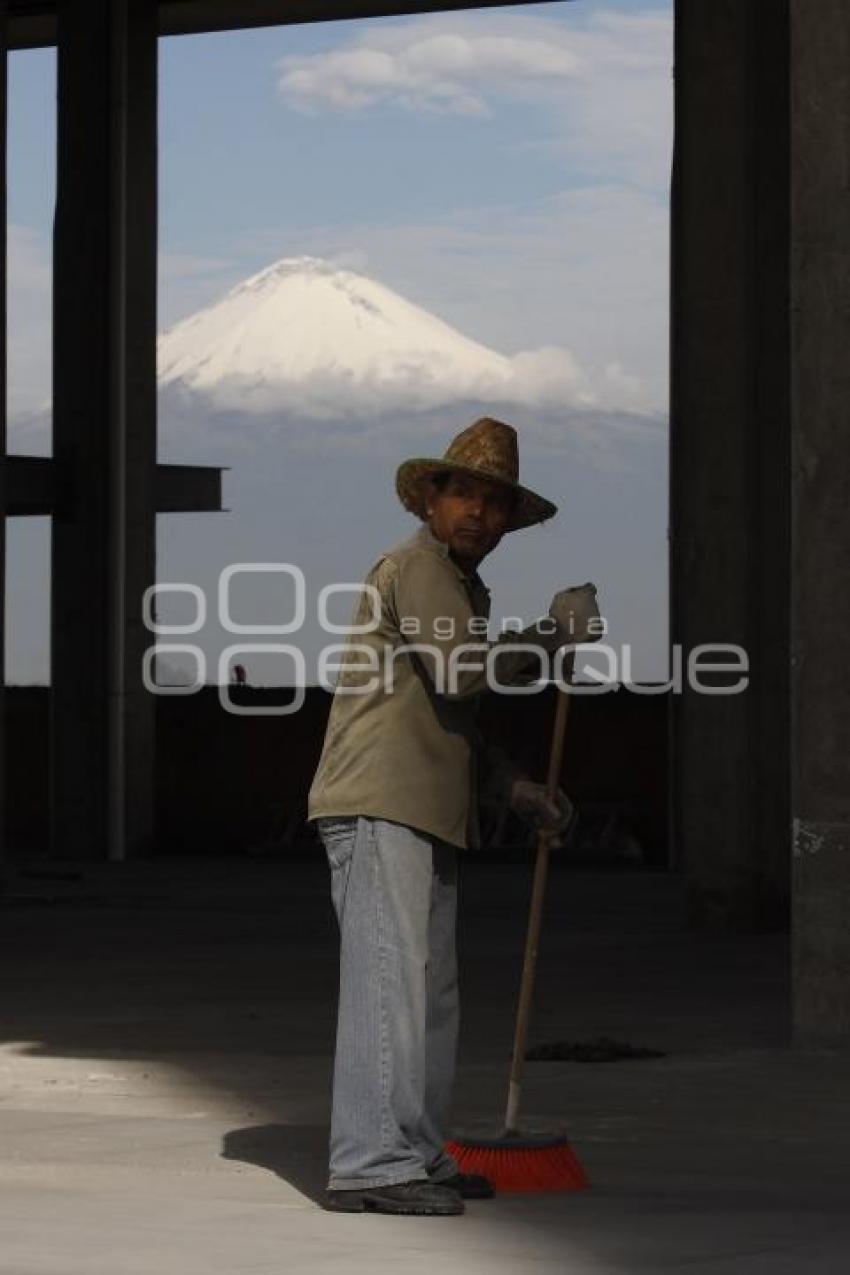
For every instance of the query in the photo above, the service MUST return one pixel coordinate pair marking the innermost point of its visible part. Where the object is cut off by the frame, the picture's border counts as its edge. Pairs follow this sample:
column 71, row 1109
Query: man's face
column 470, row 515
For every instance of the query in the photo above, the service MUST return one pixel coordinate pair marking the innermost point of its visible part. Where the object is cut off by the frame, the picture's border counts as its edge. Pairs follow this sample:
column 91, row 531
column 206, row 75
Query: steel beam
column 34, row 486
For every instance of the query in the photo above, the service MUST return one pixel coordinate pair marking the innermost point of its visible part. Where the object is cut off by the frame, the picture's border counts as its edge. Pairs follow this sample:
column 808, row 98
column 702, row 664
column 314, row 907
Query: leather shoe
column 470, row 1186
column 420, row 1197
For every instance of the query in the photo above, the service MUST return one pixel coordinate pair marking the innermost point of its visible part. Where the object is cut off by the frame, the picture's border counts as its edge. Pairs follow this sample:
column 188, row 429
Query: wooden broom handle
column 535, row 913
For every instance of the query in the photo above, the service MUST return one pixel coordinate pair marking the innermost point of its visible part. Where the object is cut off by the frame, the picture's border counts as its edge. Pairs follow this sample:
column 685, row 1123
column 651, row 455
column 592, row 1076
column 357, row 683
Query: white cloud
column 548, row 378
column 584, row 269
column 606, row 75
column 619, row 117
column 560, row 404
column 582, row 273
column 587, row 268
column 29, row 300
column 447, row 72
column 29, row 264
column 179, row 265
column 308, row 338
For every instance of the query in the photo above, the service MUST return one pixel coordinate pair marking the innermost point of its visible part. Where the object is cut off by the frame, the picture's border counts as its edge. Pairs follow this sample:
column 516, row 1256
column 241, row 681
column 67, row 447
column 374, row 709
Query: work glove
column 529, row 801
column 573, row 609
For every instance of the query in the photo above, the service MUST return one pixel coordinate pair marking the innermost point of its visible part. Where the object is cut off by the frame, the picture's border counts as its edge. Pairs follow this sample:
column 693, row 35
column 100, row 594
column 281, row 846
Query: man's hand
column 573, row 609
column 529, row 801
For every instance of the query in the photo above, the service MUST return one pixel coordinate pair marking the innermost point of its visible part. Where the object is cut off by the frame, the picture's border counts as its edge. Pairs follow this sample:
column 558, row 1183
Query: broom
column 524, row 1160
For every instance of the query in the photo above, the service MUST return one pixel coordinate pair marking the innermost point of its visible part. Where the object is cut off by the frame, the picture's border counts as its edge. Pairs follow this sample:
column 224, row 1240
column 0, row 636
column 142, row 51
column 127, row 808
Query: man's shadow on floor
column 296, row 1153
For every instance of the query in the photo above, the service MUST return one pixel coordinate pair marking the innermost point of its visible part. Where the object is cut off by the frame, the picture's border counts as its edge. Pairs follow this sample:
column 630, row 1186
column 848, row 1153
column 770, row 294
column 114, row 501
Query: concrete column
column 729, row 510
column 3, row 440
column 820, row 299
column 104, row 426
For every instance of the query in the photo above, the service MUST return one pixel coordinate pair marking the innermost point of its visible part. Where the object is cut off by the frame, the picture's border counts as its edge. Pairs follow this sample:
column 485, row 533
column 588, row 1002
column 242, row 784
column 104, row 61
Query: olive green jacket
column 401, row 740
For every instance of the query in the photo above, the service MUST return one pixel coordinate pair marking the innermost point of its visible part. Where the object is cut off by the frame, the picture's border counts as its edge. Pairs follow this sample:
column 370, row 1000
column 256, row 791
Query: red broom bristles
column 554, row 1167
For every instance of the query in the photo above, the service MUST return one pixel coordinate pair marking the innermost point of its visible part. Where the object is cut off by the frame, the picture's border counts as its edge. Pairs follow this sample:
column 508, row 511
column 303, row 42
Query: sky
column 506, row 170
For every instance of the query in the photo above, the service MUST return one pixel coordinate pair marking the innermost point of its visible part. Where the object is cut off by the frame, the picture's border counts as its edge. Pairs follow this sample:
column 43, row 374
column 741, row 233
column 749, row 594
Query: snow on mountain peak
column 285, row 266
column 306, row 333
column 308, row 337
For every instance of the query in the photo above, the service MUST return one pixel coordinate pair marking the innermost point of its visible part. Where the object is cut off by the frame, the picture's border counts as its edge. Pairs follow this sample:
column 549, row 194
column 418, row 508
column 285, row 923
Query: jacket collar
column 426, row 537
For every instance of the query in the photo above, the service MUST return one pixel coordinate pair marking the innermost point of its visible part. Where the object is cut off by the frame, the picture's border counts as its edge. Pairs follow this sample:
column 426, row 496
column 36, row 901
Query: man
column 394, row 797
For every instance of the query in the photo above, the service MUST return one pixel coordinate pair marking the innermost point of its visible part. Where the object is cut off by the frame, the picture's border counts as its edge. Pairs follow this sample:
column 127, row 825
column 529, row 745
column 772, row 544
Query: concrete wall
column 226, row 783
column 820, row 309
column 729, row 504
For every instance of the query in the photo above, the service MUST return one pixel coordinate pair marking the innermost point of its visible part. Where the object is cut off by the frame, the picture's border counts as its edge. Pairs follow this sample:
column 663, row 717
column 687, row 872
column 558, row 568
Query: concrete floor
column 164, row 1076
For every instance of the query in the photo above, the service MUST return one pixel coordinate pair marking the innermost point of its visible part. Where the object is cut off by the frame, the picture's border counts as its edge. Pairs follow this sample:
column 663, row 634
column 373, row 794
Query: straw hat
column 486, row 449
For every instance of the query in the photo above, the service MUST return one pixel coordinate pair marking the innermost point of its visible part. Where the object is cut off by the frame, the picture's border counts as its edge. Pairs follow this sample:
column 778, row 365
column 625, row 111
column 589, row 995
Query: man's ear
column 431, row 493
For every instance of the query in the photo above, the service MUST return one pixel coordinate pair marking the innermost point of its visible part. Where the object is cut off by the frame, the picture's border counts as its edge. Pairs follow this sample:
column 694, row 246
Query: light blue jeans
column 395, row 895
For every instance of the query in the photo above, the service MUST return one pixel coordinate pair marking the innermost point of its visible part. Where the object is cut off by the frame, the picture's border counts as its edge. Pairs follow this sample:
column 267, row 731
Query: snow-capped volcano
column 306, row 334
